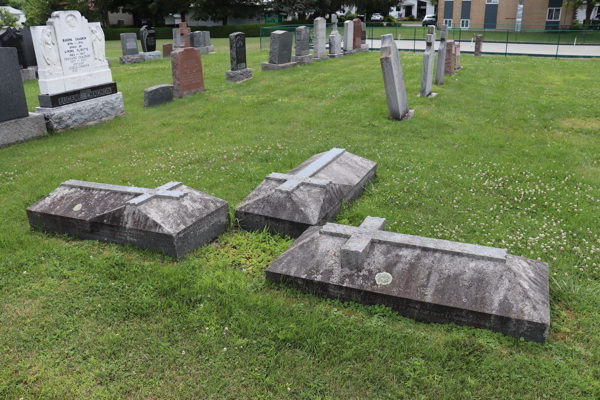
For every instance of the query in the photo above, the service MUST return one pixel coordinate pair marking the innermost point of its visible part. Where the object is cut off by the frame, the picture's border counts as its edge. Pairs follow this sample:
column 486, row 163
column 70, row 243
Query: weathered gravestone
column 427, row 71
column 157, row 95
column 393, row 80
column 478, row 45
column 457, row 55
column 348, row 37
column 16, row 123
column 449, row 66
column 320, row 28
column 76, row 86
column 334, row 21
column 148, row 38
column 310, row 194
column 302, row 56
column 237, row 52
column 174, row 219
column 130, row 50
column 167, row 49
column 187, row 71
column 280, row 52
column 356, row 28
column 441, row 62
column 335, row 45
column 180, row 36
column 430, row 280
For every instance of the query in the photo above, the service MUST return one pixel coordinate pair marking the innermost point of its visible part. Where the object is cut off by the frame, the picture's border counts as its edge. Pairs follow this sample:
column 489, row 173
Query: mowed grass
column 506, row 155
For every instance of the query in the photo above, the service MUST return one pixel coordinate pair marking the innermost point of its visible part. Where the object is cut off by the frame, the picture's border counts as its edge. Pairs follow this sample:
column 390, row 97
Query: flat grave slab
column 309, row 194
column 431, row 280
column 173, row 218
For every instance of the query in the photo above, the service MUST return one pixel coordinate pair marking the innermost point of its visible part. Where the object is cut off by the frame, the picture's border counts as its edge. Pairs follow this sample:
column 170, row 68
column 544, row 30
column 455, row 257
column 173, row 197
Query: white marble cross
column 355, row 250
column 293, row 181
column 144, row 194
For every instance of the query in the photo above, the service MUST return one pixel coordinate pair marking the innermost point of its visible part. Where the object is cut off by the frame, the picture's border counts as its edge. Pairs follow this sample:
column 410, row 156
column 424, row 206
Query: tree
column 590, row 4
column 292, row 7
column 7, row 19
column 220, row 10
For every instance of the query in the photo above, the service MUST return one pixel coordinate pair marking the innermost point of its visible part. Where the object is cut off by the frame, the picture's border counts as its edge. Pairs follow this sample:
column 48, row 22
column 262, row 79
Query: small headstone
column 173, row 219
column 457, row 55
column 427, row 72
column 129, row 44
column 167, row 49
column 393, row 80
column 157, row 95
column 16, row 123
column 187, row 71
column 478, row 45
column 280, row 51
column 307, row 195
column 12, row 37
column 180, row 36
column 348, row 37
column 335, row 45
column 356, row 30
column 302, row 56
column 151, row 55
column 320, row 28
column 148, row 38
column 431, row 280
column 450, row 58
column 441, row 62
column 237, row 52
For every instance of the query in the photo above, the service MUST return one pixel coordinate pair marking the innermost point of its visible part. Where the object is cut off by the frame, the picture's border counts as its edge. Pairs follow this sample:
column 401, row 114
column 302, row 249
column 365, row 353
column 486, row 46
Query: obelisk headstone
column 320, row 27
column 427, row 72
column 348, row 37
column 450, row 58
column 302, row 56
column 393, row 79
column 441, row 62
column 237, row 52
column 457, row 57
column 478, row 45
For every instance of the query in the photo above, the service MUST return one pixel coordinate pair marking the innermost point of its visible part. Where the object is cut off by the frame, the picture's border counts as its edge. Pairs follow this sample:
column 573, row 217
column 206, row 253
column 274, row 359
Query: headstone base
column 349, row 52
column 83, row 113
column 75, row 96
column 320, row 58
column 405, row 117
column 22, row 129
column 303, row 60
column 338, row 55
column 276, row 67
column 151, row 55
column 133, row 59
column 238, row 76
column 28, row 74
column 157, row 95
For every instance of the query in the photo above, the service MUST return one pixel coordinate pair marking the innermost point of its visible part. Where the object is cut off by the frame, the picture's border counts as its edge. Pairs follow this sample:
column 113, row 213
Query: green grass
column 506, row 155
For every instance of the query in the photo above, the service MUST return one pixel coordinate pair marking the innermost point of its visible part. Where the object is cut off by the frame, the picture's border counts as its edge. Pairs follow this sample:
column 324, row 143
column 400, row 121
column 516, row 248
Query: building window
column 553, row 14
column 448, row 23
column 491, row 1
column 465, row 23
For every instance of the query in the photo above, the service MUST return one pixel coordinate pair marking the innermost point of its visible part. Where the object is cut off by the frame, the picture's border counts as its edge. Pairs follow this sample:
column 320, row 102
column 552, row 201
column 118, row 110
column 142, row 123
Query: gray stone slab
column 335, row 45
column 276, row 67
column 302, row 48
column 348, row 36
column 238, row 76
column 28, row 74
column 22, row 129
column 427, row 70
column 151, row 55
column 173, row 219
column 393, row 79
column 129, row 44
column 309, row 194
column 14, row 104
column 207, row 39
column 83, row 113
column 280, row 50
column 303, row 60
column 320, row 32
column 134, row 59
column 237, row 51
column 157, row 95
column 427, row 279
column 441, row 63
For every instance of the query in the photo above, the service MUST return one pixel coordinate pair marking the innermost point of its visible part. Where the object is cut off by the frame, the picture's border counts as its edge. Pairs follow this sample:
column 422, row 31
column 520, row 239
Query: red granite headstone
column 167, row 49
column 356, row 33
column 188, row 75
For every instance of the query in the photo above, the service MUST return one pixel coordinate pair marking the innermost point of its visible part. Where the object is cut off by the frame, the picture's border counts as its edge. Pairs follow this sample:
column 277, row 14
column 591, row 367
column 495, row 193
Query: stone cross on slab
column 304, row 176
column 183, row 32
column 163, row 191
column 356, row 248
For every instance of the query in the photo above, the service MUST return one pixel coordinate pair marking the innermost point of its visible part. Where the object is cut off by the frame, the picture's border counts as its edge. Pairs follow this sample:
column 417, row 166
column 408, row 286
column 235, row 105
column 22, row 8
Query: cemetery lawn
column 507, row 155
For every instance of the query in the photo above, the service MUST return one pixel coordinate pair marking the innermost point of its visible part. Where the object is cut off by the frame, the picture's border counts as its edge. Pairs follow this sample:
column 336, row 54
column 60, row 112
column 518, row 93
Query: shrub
column 411, row 18
column 576, row 26
column 389, row 18
column 351, row 16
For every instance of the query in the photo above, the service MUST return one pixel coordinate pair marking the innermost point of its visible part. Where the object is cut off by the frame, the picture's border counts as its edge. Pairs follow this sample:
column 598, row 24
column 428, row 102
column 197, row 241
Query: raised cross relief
column 164, row 191
column 355, row 251
column 292, row 182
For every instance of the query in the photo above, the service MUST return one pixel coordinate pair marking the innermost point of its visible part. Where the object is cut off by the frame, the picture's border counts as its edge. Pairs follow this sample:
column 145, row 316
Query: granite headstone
column 449, row 66
column 167, row 49
column 335, row 45
column 427, row 71
column 393, row 80
column 129, row 44
column 320, row 28
column 187, row 71
column 302, row 56
column 157, row 95
column 12, row 37
column 148, row 38
column 280, row 51
column 237, row 52
column 348, row 37
column 441, row 62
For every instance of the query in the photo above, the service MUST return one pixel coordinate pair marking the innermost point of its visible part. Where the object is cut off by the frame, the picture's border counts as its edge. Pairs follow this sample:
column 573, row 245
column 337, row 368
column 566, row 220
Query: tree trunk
column 588, row 14
column 225, row 20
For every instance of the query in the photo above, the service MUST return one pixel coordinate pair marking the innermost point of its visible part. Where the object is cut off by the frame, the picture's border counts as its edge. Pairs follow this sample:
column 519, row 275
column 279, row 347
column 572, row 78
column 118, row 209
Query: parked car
column 376, row 17
column 430, row 19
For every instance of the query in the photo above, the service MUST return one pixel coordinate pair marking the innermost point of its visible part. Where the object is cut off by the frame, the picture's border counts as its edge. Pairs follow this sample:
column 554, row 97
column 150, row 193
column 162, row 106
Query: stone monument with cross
column 431, row 280
column 173, row 218
column 309, row 194
column 180, row 36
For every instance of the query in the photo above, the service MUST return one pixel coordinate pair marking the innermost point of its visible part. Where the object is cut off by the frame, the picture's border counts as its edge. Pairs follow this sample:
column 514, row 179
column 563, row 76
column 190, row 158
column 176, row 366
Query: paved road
column 545, row 50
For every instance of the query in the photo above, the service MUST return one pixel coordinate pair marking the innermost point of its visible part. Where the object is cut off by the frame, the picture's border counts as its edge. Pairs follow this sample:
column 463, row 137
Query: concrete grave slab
column 309, row 194
column 430, row 280
column 173, row 219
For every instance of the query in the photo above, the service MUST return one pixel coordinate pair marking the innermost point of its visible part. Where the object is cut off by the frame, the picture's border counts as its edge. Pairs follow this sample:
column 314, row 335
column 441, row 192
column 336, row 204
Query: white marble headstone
column 70, row 53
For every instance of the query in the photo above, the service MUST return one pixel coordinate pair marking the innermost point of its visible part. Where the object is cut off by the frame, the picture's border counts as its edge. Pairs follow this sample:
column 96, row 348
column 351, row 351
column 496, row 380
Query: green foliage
column 411, row 18
column 220, row 10
column 7, row 19
column 389, row 18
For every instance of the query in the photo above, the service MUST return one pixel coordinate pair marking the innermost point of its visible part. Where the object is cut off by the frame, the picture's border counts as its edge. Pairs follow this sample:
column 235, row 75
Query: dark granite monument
column 237, row 53
column 12, row 37
column 174, row 219
column 309, row 194
column 157, row 95
column 28, row 45
column 148, row 38
column 430, row 280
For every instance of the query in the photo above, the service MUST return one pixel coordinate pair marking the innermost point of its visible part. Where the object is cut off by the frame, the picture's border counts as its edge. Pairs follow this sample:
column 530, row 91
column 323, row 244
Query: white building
column 17, row 13
column 417, row 8
column 580, row 16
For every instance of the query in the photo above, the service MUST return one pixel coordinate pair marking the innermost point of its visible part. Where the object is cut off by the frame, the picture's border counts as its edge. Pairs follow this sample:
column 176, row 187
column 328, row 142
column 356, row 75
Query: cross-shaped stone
column 355, row 250
column 444, row 33
column 305, row 176
column 163, row 191
column 183, row 31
